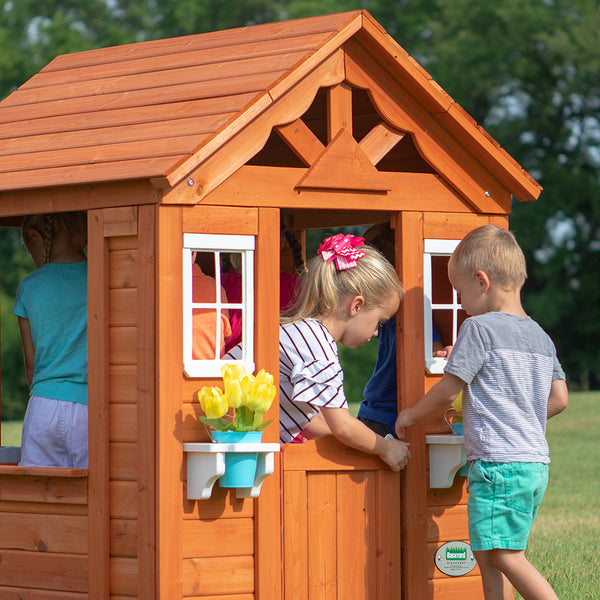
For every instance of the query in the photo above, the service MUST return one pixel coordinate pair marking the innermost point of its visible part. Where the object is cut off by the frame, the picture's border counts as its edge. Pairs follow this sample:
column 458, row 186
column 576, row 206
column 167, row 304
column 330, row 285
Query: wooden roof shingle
column 155, row 110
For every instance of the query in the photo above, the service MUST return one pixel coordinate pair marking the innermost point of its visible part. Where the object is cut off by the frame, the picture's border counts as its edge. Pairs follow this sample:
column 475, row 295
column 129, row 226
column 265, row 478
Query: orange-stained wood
column 224, row 158
column 326, row 454
column 123, row 538
column 169, row 451
column 343, row 165
column 305, row 144
column 44, row 533
column 53, row 571
column 439, row 149
column 146, row 407
column 455, row 587
column 295, row 535
column 227, row 537
column 267, row 524
column 379, row 141
column 339, row 110
column 216, row 575
column 228, row 220
column 98, row 407
column 268, row 186
column 411, row 359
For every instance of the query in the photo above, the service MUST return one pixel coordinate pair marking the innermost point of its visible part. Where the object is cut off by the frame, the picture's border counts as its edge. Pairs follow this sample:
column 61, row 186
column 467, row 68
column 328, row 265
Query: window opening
column 213, row 320
column 442, row 308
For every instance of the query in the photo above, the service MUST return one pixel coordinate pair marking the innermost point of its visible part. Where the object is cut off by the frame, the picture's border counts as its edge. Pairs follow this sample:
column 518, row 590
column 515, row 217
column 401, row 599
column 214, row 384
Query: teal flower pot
column 240, row 467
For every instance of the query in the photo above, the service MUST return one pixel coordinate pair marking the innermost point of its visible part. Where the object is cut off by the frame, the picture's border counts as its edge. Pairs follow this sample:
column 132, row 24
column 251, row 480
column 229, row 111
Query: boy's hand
column 403, row 420
column 396, row 454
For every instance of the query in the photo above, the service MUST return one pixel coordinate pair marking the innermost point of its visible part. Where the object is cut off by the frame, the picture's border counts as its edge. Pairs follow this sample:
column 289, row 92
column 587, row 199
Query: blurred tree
column 526, row 71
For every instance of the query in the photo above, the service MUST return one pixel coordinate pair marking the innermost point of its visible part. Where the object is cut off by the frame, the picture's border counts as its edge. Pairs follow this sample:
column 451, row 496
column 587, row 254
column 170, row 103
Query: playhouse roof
column 157, row 110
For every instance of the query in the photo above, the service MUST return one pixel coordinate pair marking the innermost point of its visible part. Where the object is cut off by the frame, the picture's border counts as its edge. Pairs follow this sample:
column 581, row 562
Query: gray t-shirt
column 508, row 364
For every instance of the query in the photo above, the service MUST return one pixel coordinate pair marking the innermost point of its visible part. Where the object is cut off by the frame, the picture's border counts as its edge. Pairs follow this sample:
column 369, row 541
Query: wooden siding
column 341, row 526
column 122, row 530
column 44, row 541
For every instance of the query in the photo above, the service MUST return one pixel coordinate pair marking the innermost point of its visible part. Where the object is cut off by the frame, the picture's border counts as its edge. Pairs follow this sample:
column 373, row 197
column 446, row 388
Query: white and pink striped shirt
column 310, row 375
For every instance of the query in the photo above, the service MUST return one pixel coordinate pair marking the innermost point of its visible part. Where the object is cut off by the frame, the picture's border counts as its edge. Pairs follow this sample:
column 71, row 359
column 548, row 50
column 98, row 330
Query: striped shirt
column 508, row 364
column 310, row 375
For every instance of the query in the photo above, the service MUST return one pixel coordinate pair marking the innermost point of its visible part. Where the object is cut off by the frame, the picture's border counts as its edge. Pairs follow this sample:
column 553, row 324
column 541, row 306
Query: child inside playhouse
column 51, row 305
column 379, row 407
column 511, row 380
column 349, row 289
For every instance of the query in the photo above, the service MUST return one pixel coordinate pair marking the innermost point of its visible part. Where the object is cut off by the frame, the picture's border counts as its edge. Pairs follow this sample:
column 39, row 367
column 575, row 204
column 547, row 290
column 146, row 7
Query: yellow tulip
column 263, row 377
column 260, row 396
column 457, row 404
column 231, row 371
column 213, row 402
column 233, row 391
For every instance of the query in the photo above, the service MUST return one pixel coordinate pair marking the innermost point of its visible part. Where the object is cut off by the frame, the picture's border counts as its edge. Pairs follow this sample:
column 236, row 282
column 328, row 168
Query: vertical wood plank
column 322, row 530
column 411, row 385
column 98, row 480
column 389, row 568
column 146, row 417
column 352, row 538
column 295, row 535
column 339, row 110
column 266, row 352
column 169, row 344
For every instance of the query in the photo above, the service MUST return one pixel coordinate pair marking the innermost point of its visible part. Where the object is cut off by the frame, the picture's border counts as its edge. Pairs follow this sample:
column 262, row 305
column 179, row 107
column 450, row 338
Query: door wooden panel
column 341, row 524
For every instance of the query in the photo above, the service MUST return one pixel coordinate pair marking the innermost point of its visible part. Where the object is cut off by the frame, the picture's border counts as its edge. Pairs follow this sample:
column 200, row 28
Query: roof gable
column 162, row 110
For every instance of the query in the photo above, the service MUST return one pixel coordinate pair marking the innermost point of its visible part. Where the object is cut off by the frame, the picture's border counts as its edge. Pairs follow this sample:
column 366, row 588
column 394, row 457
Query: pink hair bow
column 343, row 249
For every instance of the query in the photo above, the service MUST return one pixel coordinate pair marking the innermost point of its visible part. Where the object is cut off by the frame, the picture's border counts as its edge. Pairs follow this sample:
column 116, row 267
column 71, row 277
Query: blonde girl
column 348, row 290
column 51, row 305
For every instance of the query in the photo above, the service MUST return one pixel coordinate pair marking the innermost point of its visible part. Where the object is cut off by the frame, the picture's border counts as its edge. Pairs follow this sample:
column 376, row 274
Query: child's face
column 471, row 290
column 364, row 322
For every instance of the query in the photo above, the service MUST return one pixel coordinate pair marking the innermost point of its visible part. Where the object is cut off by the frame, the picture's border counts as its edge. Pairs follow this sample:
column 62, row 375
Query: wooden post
column 99, row 480
column 411, row 385
column 267, row 526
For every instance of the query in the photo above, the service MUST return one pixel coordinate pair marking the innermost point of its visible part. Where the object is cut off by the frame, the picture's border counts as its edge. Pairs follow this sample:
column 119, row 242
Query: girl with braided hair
column 51, row 305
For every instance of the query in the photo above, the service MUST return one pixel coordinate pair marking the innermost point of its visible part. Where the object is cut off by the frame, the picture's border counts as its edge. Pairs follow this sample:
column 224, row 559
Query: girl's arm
column 438, row 398
column 559, row 397
column 353, row 433
column 28, row 348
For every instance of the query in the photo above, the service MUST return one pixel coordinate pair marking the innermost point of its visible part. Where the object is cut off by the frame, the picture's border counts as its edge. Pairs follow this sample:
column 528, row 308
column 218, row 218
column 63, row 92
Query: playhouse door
column 341, row 524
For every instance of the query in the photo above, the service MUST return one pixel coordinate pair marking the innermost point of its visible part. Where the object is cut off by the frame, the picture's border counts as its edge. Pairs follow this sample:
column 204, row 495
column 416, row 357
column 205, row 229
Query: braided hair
column 52, row 226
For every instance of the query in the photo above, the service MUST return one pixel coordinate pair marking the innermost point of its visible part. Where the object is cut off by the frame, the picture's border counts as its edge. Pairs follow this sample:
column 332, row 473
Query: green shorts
column 503, row 501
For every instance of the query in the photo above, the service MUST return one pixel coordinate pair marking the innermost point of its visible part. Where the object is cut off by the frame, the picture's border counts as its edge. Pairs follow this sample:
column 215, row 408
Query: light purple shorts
column 55, row 434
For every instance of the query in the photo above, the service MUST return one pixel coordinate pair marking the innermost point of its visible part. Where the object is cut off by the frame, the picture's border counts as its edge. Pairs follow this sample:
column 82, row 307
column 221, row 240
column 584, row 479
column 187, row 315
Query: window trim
column 217, row 243
column 435, row 365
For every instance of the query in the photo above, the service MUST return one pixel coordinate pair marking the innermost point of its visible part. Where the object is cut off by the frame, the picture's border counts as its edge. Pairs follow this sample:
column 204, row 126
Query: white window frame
column 434, row 247
column 200, row 242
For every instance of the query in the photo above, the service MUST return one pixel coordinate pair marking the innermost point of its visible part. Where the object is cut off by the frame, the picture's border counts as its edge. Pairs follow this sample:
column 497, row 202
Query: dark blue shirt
column 380, row 397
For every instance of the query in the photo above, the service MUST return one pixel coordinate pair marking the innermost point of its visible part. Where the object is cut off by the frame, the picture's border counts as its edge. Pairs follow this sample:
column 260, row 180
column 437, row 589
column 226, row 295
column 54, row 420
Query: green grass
column 11, row 433
column 564, row 540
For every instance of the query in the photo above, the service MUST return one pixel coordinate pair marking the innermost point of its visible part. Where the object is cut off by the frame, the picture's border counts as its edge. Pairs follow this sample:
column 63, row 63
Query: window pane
column 441, row 290
column 442, row 322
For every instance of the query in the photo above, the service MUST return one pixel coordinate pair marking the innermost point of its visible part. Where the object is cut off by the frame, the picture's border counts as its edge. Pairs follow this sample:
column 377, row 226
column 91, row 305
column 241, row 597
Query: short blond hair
column 324, row 288
column 494, row 251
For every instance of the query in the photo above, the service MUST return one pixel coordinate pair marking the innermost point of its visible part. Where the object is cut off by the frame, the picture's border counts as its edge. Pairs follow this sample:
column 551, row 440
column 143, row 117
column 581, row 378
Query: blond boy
column 512, row 382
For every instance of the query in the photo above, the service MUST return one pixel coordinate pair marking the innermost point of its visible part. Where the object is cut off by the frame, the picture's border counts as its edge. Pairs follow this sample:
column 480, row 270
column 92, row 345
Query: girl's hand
column 396, row 454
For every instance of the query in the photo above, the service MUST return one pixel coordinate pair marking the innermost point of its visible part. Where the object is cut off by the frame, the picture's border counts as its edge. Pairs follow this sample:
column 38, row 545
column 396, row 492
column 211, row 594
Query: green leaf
column 221, row 424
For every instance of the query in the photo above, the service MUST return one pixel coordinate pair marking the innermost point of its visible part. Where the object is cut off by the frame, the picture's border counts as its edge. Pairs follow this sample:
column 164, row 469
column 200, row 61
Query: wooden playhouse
column 205, row 143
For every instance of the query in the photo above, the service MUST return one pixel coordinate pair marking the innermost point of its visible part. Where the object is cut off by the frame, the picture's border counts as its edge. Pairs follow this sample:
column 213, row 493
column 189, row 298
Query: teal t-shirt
column 54, row 300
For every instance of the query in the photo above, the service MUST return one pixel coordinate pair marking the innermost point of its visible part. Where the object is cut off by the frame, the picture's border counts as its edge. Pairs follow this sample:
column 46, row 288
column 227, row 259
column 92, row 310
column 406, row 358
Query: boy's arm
column 559, row 397
column 439, row 397
column 353, row 433
column 28, row 348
